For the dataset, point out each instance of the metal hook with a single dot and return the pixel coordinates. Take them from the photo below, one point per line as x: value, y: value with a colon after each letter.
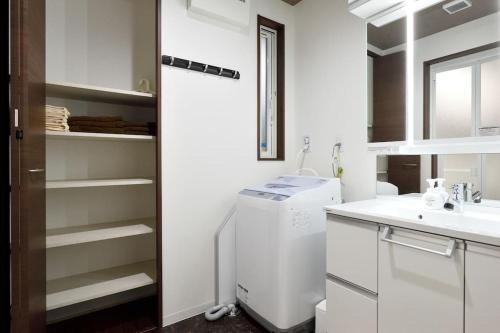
x: 205, y: 69
x: 189, y: 65
x: 220, y: 71
x: 235, y: 74
x: 172, y: 61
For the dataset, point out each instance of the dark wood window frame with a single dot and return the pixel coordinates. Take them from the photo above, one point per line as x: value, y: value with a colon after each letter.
x: 427, y: 90
x: 280, y: 99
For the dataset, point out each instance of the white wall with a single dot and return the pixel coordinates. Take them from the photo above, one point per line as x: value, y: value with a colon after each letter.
x: 209, y: 149
x: 331, y: 92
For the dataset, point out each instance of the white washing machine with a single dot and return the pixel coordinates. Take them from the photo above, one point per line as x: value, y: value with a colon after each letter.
x: 281, y: 249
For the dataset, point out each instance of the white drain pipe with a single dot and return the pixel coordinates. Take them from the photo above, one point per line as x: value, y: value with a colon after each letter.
x: 220, y: 311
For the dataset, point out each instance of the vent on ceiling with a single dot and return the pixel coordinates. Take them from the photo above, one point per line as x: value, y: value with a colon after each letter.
x: 456, y: 6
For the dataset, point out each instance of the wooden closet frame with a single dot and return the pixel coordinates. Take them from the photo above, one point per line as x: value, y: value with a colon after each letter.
x: 27, y: 91
x: 4, y: 173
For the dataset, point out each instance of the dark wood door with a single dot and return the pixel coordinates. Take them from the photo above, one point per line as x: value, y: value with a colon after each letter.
x: 404, y: 172
x: 389, y: 98
x: 27, y: 130
x: 4, y: 172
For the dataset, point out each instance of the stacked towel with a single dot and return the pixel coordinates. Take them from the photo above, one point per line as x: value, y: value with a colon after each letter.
x: 56, y: 118
x: 114, y: 125
x: 97, y: 124
x: 140, y: 128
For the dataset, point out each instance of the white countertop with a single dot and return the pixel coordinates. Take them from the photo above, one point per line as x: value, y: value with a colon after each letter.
x: 478, y: 223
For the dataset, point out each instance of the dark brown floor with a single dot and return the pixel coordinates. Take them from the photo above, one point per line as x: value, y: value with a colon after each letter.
x: 133, y: 317
x: 242, y: 323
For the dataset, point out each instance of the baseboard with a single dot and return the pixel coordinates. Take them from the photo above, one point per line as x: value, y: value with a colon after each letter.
x: 185, y: 314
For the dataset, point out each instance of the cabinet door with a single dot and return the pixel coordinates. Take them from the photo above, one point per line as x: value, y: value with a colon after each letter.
x: 482, y: 285
x: 27, y: 131
x: 419, y: 290
x: 352, y: 251
x: 350, y: 310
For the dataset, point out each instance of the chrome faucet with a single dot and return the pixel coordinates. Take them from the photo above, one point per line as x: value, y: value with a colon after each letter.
x: 470, y: 196
x: 460, y: 194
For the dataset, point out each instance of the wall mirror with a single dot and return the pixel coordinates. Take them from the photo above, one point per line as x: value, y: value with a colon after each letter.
x: 399, y: 174
x: 457, y: 70
x: 386, y: 53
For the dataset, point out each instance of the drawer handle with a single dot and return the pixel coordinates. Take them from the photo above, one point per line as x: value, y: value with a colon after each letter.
x: 452, y: 244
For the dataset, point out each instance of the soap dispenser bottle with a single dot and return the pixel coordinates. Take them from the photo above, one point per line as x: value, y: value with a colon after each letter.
x: 441, y: 190
x: 432, y: 198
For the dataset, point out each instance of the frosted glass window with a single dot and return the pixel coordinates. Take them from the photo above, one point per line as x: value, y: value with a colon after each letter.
x: 490, y: 96
x: 268, y: 93
x: 453, y: 103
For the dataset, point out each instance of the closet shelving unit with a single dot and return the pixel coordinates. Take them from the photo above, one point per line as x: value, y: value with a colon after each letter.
x: 95, y: 284
x: 101, y: 189
x: 98, y: 232
x: 87, y: 92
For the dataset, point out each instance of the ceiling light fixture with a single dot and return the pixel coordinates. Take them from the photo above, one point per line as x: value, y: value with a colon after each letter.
x: 399, y: 11
x: 456, y: 6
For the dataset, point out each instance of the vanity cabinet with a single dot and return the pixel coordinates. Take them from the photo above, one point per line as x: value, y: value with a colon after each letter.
x: 350, y: 309
x: 352, y: 251
x: 391, y: 280
x: 482, y: 288
x: 421, y: 286
x: 351, y: 286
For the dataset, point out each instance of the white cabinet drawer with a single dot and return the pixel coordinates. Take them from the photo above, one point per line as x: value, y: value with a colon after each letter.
x: 349, y: 310
x: 482, y: 283
x: 352, y: 251
x: 421, y: 285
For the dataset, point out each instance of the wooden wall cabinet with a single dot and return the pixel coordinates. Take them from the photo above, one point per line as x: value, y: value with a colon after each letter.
x: 85, y: 207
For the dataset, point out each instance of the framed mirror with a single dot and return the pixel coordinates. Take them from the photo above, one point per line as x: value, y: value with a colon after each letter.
x: 457, y: 70
x: 386, y: 64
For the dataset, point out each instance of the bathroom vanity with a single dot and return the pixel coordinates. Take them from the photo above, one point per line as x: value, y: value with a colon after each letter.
x: 393, y: 266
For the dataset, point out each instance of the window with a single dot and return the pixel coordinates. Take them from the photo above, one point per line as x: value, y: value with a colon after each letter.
x: 270, y: 88
x: 464, y: 96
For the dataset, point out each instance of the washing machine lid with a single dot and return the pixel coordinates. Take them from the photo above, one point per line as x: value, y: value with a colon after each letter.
x: 285, y: 186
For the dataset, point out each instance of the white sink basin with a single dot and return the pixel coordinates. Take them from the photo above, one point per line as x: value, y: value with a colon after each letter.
x: 477, y: 223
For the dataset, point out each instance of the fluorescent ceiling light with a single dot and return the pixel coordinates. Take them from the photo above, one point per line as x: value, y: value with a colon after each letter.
x: 399, y: 11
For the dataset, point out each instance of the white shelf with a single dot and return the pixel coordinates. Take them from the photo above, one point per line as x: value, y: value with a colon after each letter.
x: 99, y: 94
x: 57, y: 184
x: 84, y: 287
x: 96, y: 136
x: 98, y: 232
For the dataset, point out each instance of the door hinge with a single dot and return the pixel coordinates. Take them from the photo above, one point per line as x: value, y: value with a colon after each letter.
x: 19, y: 134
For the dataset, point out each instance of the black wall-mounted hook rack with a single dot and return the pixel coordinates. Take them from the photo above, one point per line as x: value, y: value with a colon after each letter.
x: 200, y: 67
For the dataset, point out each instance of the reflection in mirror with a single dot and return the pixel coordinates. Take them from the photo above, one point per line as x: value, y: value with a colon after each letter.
x: 387, y: 78
x: 457, y: 70
x: 408, y: 174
